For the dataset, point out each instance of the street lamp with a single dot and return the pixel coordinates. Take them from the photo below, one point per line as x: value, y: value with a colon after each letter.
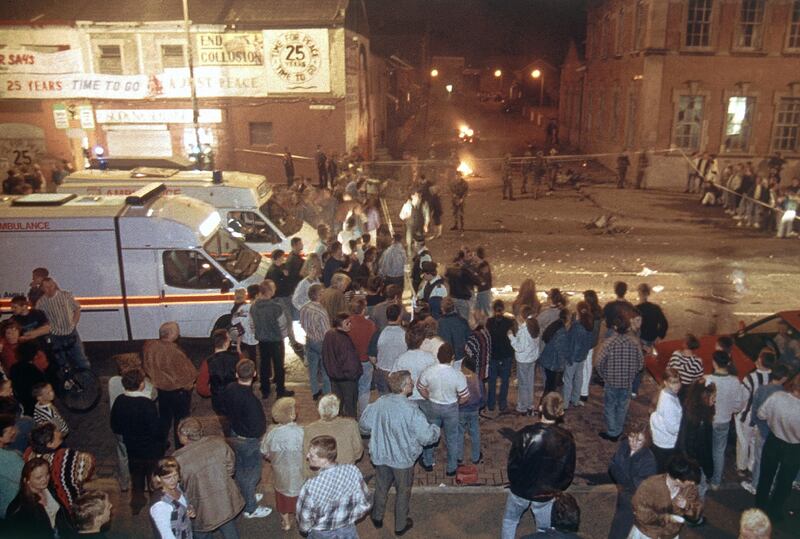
x: 498, y: 73
x: 449, y: 88
x: 539, y: 75
x: 434, y: 72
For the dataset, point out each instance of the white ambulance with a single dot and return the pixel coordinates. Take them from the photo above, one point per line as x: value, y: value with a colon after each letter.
x: 245, y: 201
x: 132, y: 262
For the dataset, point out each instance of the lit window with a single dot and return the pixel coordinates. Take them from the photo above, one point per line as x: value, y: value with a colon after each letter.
x: 738, y: 123
x: 689, y: 122
x: 751, y: 22
x: 172, y: 56
x: 110, y: 59
x: 698, y: 23
x: 786, y: 136
x: 794, y: 28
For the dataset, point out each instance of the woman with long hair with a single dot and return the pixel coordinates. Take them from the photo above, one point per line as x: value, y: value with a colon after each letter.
x: 581, y: 342
x: 695, y: 436
x: 526, y: 296
x: 172, y: 513
x: 36, y: 512
x: 590, y: 297
x: 551, y: 311
x: 525, y: 342
x: 311, y: 273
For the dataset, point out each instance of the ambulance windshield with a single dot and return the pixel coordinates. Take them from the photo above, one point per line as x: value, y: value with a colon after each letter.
x: 237, y: 258
x: 281, y: 218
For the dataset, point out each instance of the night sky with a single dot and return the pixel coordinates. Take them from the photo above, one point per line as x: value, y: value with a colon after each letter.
x: 481, y: 29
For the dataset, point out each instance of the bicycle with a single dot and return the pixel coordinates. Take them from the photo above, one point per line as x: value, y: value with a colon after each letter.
x: 79, y: 389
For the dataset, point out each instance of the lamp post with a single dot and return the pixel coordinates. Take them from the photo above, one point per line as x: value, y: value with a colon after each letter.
x: 539, y: 75
x: 192, y: 85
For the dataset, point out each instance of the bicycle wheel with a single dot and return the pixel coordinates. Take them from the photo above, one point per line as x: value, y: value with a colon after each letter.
x: 83, y: 391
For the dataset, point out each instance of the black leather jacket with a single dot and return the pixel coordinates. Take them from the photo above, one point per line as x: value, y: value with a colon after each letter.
x: 541, y: 463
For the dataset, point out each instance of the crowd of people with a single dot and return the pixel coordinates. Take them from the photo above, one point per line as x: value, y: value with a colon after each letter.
x: 408, y: 378
x: 753, y: 197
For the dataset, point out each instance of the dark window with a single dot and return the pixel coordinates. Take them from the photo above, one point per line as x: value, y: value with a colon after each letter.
x: 751, y: 24
x: 260, y: 133
x: 190, y: 269
x: 698, y: 23
x: 172, y: 56
x: 787, y: 125
x: 794, y: 28
x: 110, y: 59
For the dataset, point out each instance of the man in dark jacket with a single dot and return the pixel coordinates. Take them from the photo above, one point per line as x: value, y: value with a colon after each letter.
x: 453, y: 329
x: 541, y: 465
x: 461, y: 280
x: 271, y: 327
x: 134, y: 416
x: 221, y: 368
x: 248, y: 425
x: 340, y: 358
x: 285, y: 282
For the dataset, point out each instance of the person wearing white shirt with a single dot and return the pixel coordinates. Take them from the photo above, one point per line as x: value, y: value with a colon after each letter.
x: 414, y: 360
x: 311, y: 273
x: 443, y: 389
x: 665, y: 421
x: 731, y: 398
x: 527, y: 346
x: 245, y: 335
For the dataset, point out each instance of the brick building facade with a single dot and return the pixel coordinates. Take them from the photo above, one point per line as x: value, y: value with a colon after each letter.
x: 269, y: 74
x: 721, y: 76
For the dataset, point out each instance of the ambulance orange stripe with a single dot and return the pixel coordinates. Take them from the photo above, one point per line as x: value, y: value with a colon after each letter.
x: 140, y: 301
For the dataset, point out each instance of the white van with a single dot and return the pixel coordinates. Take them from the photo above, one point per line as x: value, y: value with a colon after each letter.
x: 132, y: 262
x: 245, y: 201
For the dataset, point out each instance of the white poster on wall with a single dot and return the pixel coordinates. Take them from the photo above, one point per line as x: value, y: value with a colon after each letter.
x: 210, y: 82
x: 75, y: 85
x: 22, y: 61
x: 297, y: 61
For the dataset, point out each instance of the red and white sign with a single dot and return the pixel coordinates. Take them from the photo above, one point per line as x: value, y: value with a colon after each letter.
x: 75, y: 85
x: 22, y: 61
x: 210, y: 82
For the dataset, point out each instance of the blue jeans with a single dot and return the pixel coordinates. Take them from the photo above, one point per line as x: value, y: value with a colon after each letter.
x: 348, y: 532
x: 525, y: 379
x: 499, y: 367
x: 483, y: 301
x: 516, y: 506
x: 615, y: 408
x: 69, y: 349
x: 364, y: 385
x: 228, y: 531
x: 637, y: 381
x: 248, y: 468
x: 315, y: 369
x: 445, y: 416
x: 718, y: 445
x: 468, y: 422
x: 573, y: 381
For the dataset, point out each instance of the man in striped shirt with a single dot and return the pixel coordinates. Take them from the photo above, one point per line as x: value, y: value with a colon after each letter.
x: 63, y: 312
x: 688, y: 365
x: 315, y: 322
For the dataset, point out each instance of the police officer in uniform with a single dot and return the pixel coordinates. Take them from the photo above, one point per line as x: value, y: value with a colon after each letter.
x: 459, y: 189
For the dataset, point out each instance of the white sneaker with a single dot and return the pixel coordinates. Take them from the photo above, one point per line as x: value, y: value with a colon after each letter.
x: 258, y: 496
x: 748, y: 486
x: 260, y: 512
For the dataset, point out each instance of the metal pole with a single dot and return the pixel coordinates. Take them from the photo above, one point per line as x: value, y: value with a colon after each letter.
x: 190, y: 55
x: 541, y: 88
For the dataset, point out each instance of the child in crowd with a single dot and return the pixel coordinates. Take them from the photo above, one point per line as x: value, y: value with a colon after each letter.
x: 731, y: 399
x: 172, y: 513
x: 665, y: 421
x: 526, y: 351
x: 283, y: 447
x: 44, y: 411
x: 468, y: 412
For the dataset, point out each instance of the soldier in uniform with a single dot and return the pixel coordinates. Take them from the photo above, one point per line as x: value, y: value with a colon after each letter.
x: 508, y: 186
x: 527, y: 169
x: 644, y: 163
x: 459, y: 189
x: 622, y: 169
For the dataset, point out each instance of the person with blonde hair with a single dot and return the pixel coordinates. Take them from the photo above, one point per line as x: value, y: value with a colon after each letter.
x: 755, y: 524
x: 310, y: 273
x: 343, y: 429
x: 283, y: 447
x: 91, y: 512
x: 172, y: 513
x: 526, y: 345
